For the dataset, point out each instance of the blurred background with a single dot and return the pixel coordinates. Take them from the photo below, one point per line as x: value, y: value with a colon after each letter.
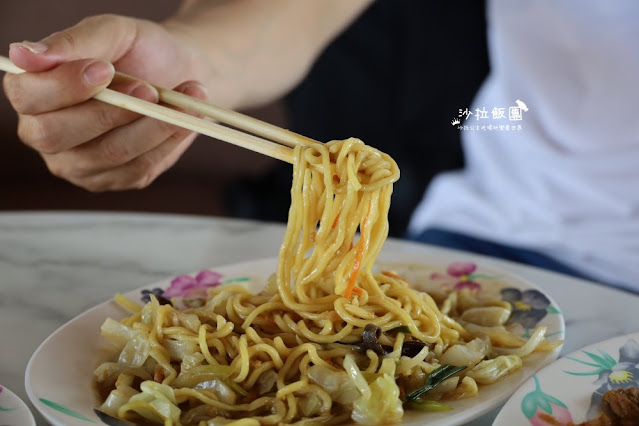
x: 394, y: 79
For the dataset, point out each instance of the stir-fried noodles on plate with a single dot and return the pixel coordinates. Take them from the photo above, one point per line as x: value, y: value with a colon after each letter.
x: 327, y: 340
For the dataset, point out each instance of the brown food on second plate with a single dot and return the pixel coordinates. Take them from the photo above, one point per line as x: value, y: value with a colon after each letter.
x: 621, y: 407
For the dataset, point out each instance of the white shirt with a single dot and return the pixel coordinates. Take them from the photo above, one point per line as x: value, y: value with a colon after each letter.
x: 567, y: 183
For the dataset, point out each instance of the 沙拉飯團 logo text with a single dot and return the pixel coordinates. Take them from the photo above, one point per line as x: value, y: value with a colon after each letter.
x: 498, y: 118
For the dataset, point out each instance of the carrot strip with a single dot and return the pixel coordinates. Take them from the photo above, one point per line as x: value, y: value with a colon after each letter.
x: 391, y: 275
x: 358, y: 291
x: 358, y: 257
x: 356, y: 266
x: 335, y: 221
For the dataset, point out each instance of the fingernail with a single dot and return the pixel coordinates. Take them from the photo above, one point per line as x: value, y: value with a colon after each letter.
x: 145, y: 91
x: 32, y: 47
x: 98, y: 73
x: 196, y: 90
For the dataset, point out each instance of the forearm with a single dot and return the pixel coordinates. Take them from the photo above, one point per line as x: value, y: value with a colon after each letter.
x: 251, y: 52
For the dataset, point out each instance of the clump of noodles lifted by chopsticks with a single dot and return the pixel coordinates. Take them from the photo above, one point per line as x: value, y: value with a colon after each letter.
x: 327, y: 340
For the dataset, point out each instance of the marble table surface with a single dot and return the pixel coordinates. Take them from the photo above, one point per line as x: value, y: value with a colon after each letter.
x: 54, y: 266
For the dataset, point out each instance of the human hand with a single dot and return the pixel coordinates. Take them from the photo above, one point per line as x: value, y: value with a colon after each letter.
x: 91, y: 144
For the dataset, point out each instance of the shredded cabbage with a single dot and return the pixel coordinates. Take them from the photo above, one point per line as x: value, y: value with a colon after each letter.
x: 466, y: 355
x: 467, y: 388
x: 379, y: 402
x: 117, y: 333
x: 336, y: 383
x: 489, y: 316
x: 120, y: 395
x: 135, y: 352
x: 188, y: 378
x: 529, y: 347
x: 492, y: 370
x: 179, y: 349
x: 155, y: 402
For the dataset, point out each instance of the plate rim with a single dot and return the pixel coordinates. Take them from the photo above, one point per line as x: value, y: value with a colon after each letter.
x: 22, y: 408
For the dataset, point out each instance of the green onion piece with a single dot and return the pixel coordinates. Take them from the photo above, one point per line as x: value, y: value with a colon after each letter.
x: 426, y: 405
x: 436, y: 376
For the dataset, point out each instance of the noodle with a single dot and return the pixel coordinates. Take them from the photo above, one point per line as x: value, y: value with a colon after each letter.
x: 296, y: 351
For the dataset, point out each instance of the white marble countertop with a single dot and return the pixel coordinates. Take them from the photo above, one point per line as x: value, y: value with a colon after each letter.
x: 53, y: 266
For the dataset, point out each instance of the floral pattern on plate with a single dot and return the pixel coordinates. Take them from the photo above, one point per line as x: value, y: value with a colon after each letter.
x: 529, y: 306
x: 612, y: 374
x: 570, y: 390
x: 190, y: 290
x: 540, y: 408
x: 460, y: 275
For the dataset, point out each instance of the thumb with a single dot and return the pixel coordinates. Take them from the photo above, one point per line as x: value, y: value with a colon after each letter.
x: 106, y: 37
x: 30, y: 56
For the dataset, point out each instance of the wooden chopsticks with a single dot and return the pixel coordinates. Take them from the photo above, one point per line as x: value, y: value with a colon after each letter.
x: 274, y: 141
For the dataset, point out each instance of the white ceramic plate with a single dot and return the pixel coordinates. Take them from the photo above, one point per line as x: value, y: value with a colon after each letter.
x: 570, y: 389
x: 60, y: 373
x: 13, y: 411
